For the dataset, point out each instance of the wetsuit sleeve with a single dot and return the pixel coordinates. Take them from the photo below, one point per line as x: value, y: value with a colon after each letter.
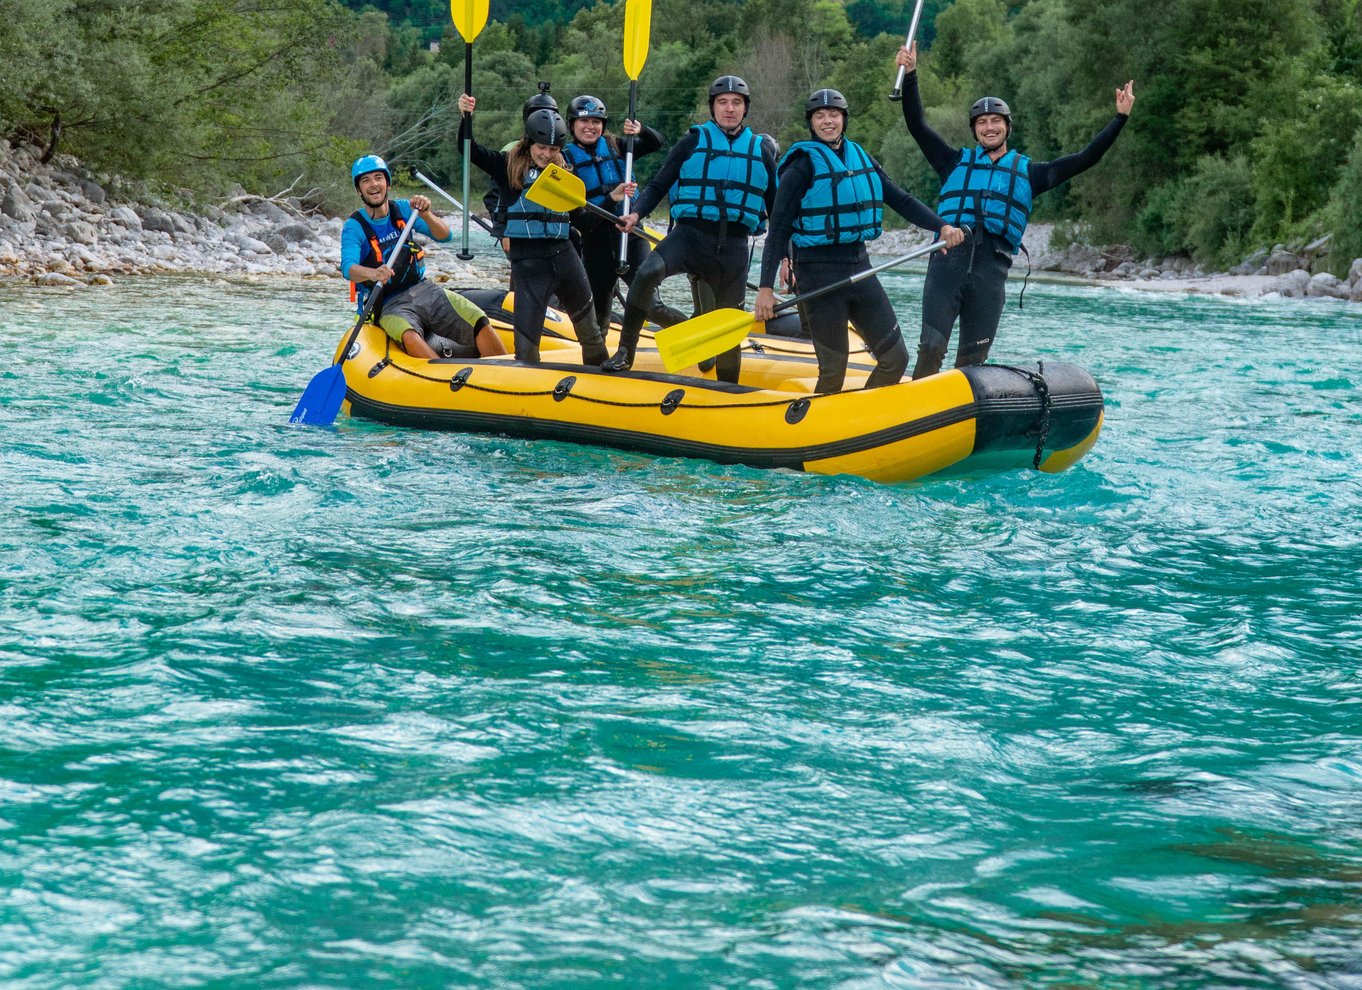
x: 1047, y: 175
x: 352, y: 246
x: 908, y: 206
x: 940, y: 155
x: 490, y: 161
x: 795, y: 180
x: 666, y: 176
x: 768, y: 158
x: 646, y: 142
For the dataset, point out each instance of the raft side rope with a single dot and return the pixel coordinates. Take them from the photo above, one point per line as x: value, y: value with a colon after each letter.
x: 671, y: 406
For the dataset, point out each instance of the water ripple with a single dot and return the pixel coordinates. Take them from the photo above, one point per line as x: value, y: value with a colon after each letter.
x: 302, y: 708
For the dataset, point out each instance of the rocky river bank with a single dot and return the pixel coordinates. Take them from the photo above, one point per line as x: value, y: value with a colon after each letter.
x: 62, y: 225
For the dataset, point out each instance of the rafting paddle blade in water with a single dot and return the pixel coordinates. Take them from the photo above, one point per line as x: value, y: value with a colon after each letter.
x: 322, y: 398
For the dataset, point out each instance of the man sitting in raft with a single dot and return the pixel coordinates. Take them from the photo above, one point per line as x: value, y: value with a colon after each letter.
x: 427, y: 320
x: 999, y: 183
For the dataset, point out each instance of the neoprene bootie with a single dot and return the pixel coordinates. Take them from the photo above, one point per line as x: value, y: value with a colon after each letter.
x: 621, y: 360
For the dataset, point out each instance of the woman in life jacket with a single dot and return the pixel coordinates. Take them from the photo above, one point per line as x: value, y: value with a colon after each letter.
x: 598, y: 158
x: 543, y: 262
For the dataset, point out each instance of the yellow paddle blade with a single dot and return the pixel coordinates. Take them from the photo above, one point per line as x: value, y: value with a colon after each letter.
x: 557, y: 189
x: 470, y: 17
x: 708, y: 335
x: 638, y: 15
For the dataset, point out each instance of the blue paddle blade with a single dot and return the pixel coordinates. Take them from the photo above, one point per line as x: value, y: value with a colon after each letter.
x: 321, y: 399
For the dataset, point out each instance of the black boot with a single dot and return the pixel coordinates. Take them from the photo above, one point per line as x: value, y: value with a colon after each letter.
x: 630, y: 327
x: 931, y: 351
x: 589, y: 336
x: 890, y: 363
x: 621, y: 360
x: 526, y: 350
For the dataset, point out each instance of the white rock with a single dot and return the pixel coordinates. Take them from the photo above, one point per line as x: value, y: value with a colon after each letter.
x: 55, y: 279
x: 16, y: 204
x: 1328, y: 285
x: 1292, y: 284
x: 80, y: 232
x: 126, y: 216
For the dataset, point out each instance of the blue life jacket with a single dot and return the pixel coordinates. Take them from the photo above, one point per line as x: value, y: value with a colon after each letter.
x: 377, y: 246
x: 723, y: 179
x: 845, y: 201
x: 996, y: 194
x: 600, y: 169
x: 527, y: 219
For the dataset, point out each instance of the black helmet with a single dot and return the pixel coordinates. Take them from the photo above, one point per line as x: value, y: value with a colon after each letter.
x: 539, y: 101
x: 586, y: 108
x: 827, y: 98
x: 730, y: 84
x: 990, y: 104
x: 546, y: 127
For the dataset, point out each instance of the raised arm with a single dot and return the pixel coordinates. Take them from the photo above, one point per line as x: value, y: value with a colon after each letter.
x: 940, y: 155
x: 488, y: 160
x: 1047, y: 175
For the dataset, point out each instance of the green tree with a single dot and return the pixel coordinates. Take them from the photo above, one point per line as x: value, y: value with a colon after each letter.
x: 195, y: 92
x: 1343, y: 210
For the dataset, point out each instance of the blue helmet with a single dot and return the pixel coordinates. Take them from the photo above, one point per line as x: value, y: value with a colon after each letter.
x: 369, y: 163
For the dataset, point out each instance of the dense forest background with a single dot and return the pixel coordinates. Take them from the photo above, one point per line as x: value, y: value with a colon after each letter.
x: 1247, y: 127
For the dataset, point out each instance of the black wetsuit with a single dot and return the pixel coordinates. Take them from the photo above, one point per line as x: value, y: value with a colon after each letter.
x: 600, y: 248
x: 714, y: 251
x: 970, y: 282
x: 541, y: 267
x: 863, y: 304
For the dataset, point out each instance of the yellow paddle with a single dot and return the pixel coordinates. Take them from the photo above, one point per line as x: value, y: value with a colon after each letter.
x: 470, y: 17
x: 712, y: 333
x: 637, y: 21
x: 559, y: 190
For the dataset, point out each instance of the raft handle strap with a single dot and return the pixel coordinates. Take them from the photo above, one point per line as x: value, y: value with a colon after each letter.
x: 1047, y: 403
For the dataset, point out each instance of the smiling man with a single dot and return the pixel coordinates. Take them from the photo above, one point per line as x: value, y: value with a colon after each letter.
x: 830, y: 205
x: 990, y: 188
x: 427, y: 320
x: 720, y: 180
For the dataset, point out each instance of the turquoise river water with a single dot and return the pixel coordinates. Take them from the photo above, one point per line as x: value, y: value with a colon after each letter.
x: 372, y: 708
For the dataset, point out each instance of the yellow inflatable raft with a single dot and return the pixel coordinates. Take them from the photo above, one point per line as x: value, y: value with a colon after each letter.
x: 985, y: 418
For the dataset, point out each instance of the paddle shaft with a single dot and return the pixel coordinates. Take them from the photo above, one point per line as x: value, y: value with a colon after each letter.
x: 466, y: 254
x: 897, y: 93
x: 703, y: 337
x: 628, y: 173
x: 457, y: 205
x: 894, y: 263
x: 377, y: 290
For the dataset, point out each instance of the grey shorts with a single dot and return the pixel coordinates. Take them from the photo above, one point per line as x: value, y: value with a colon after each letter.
x: 431, y: 310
